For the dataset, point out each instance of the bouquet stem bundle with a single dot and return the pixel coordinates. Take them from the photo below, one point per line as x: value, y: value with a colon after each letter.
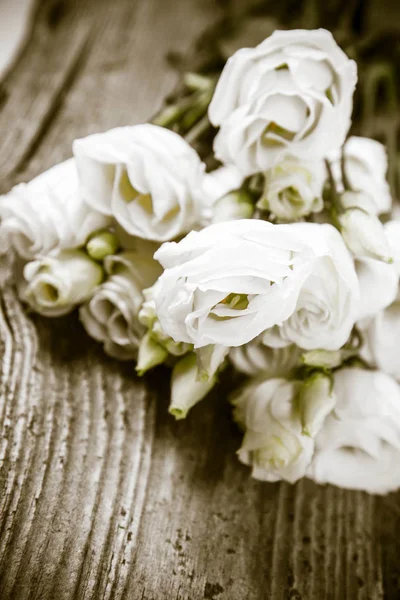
x: 253, y: 226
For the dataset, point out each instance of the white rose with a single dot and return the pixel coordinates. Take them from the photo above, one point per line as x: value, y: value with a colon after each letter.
x: 293, y: 189
x: 274, y: 415
x: 229, y: 282
x: 328, y: 304
x: 292, y: 94
x: 255, y: 358
x: 111, y: 315
x: 55, y: 285
x: 47, y: 214
x: 358, y: 446
x: 365, y: 166
x: 148, y: 178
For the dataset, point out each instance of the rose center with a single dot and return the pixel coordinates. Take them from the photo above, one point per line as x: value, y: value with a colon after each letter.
x: 49, y: 293
x: 130, y: 194
x: 236, y: 301
x: 291, y: 195
x: 276, y: 130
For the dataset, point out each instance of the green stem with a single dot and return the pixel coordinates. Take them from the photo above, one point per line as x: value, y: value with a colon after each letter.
x: 345, y: 179
x: 335, y: 196
x: 172, y: 113
x: 198, y: 129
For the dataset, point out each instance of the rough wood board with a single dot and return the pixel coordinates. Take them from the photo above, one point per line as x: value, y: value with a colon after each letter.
x: 102, y: 494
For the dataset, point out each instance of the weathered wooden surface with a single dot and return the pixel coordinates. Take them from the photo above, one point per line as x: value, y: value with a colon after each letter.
x: 102, y: 494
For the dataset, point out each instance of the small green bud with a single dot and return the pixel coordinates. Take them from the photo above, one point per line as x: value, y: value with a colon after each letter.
x: 102, y: 244
x: 324, y: 359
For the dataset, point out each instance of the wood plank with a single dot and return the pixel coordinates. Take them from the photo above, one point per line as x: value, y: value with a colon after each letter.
x: 16, y: 14
x: 102, y: 494
x: 33, y: 90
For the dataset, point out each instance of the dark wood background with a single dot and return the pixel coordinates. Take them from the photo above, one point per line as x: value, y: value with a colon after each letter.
x: 102, y: 494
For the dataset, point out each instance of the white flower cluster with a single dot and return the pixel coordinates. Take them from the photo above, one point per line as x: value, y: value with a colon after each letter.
x: 278, y: 263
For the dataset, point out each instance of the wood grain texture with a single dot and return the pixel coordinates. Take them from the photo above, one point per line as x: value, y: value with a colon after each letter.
x: 102, y: 494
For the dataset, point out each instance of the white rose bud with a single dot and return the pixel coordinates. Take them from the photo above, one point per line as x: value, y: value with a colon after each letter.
x: 187, y: 389
x: 316, y: 400
x: 381, y: 337
x: 378, y: 283
x: 111, y: 315
x: 47, y: 214
x: 146, y: 177
x: 236, y: 205
x: 358, y: 446
x: 274, y: 443
x: 216, y: 185
x: 350, y: 199
x: 148, y: 317
x: 364, y: 235
x: 381, y: 322
x: 292, y: 94
x: 392, y: 231
x: 209, y: 360
x: 102, y: 244
x: 150, y: 355
x: 293, y: 189
x: 365, y: 166
x: 54, y: 285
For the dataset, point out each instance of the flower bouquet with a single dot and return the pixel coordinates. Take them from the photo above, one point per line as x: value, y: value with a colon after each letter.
x: 275, y: 253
